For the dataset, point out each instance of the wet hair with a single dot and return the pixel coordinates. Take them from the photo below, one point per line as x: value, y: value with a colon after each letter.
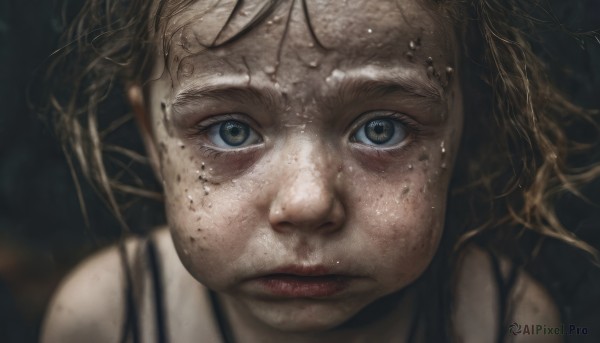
x: 520, y: 148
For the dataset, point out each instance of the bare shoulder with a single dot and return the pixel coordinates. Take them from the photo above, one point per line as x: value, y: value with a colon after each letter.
x: 88, y: 303
x: 476, y: 312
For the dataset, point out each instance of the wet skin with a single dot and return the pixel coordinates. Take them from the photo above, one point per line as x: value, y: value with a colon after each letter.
x: 311, y: 183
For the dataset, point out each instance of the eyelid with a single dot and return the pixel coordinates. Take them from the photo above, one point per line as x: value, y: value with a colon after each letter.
x: 205, y: 124
x: 199, y: 132
x: 412, y: 126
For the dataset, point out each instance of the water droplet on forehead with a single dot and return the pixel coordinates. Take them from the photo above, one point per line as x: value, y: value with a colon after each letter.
x: 313, y: 64
x: 269, y: 70
x: 336, y: 75
x: 370, y: 30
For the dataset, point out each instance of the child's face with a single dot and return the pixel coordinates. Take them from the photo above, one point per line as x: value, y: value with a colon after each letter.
x: 281, y: 157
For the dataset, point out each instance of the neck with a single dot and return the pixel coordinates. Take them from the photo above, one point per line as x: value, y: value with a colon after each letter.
x: 387, y: 319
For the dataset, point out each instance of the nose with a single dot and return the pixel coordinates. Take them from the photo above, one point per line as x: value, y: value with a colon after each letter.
x: 306, y: 199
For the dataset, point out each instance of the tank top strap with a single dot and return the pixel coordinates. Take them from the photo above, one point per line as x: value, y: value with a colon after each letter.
x: 220, y: 318
x: 147, y: 256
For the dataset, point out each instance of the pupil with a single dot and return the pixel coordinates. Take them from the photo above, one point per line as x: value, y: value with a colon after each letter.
x: 379, y: 131
x: 234, y: 132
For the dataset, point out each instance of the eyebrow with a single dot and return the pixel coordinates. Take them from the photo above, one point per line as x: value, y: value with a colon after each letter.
x: 365, y: 87
x: 351, y: 88
x: 226, y: 92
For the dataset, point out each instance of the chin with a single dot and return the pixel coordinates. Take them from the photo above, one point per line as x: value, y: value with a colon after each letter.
x: 304, y: 317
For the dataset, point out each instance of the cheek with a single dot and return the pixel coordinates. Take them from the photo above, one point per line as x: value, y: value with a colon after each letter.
x: 204, y: 228
x: 402, y: 221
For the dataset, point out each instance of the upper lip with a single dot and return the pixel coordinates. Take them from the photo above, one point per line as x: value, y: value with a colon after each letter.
x: 300, y: 270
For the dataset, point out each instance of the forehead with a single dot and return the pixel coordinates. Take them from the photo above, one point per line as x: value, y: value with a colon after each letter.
x: 223, y: 34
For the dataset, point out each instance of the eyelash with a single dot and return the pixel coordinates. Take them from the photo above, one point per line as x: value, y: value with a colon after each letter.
x: 414, y: 130
x: 414, y: 133
x: 201, y: 129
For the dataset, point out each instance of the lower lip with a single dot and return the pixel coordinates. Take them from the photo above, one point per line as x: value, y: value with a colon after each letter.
x: 291, y: 286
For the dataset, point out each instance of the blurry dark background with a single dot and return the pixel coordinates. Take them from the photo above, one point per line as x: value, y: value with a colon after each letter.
x: 42, y: 230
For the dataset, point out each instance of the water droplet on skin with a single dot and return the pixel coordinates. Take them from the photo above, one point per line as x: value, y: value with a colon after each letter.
x: 410, y: 56
x: 311, y: 45
x: 335, y: 75
x: 337, y: 262
x: 313, y: 64
x: 269, y: 70
x: 449, y: 71
x: 429, y: 60
x: 270, y: 22
x: 430, y: 72
x: 369, y: 30
x: 443, y: 165
x: 412, y: 45
x: 410, y: 166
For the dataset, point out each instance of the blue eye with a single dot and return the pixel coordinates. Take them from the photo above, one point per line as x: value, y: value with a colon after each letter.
x: 382, y: 132
x: 232, y: 134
